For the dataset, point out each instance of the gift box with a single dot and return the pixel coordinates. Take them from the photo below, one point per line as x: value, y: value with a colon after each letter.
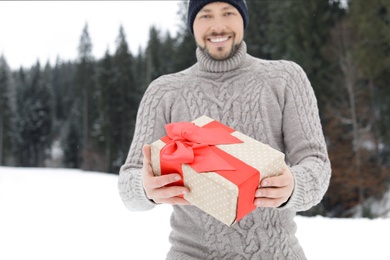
x: 221, y: 167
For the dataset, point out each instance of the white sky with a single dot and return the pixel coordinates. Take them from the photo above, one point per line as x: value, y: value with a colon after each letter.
x: 32, y: 30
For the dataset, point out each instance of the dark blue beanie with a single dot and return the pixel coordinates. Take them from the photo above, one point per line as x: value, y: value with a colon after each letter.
x: 195, y: 6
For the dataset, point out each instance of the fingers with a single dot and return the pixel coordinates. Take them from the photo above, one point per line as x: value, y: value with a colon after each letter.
x: 271, y: 193
x: 161, y: 194
x: 274, y: 191
x: 277, y: 181
x: 161, y: 181
x: 156, y: 189
x: 156, y: 186
x: 269, y: 198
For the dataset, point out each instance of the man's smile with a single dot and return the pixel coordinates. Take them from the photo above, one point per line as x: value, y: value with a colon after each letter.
x: 219, y: 39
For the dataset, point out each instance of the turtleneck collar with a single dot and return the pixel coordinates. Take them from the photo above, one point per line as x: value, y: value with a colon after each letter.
x: 210, y: 65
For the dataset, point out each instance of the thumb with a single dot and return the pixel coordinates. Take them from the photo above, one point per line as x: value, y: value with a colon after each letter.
x: 146, y: 149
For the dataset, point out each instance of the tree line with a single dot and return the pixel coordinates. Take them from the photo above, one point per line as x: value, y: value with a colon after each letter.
x: 85, y: 109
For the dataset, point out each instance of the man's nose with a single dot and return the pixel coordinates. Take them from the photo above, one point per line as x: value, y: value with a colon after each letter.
x: 218, y: 26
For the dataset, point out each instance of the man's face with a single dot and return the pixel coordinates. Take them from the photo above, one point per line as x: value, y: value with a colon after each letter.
x: 219, y: 30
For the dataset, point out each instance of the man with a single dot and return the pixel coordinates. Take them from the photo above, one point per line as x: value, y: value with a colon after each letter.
x: 270, y: 101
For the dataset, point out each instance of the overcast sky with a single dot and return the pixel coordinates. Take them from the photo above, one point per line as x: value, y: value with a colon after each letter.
x: 32, y: 30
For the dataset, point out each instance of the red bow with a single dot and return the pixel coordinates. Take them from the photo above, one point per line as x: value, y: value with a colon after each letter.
x: 190, y: 144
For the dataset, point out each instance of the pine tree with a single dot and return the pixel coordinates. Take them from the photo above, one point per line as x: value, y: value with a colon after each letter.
x: 372, y: 53
x: 72, y: 140
x: 153, y: 58
x: 109, y: 99
x: 5, y: 112
x: 64, y: 91
x: 65, y: 109
x: 185, y: 51
x: 126, y: 97
x: 140, y: 80
x: 168, y: 54
x: 257, y: 33
x: 33, y: 117
x: 86, y: 87
x: 186, y: 45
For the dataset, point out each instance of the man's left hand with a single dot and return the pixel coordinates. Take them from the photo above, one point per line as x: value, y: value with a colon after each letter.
x: 274, y: 191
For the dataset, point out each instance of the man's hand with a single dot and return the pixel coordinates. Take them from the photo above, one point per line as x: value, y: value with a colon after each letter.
x: 154, y: 186
x: 274, y: 191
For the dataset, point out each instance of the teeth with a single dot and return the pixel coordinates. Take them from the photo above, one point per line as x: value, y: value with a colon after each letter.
x: 219, y: 39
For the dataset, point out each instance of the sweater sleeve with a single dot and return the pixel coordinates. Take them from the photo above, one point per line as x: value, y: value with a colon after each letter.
x: 149, y: 127
x: 306, y: 150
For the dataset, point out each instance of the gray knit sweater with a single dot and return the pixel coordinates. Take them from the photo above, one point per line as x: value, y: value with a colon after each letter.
x: 270, y: 101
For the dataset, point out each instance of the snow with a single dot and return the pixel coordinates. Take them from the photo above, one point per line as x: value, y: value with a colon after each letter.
x: 70, y: 214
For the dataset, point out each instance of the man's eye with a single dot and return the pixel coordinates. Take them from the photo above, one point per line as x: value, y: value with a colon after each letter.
x: 205, y: 16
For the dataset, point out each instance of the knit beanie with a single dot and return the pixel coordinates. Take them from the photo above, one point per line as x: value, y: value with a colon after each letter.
x: 195, y: 6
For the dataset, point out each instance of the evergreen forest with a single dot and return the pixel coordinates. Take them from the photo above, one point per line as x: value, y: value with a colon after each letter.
x: 85, y: 109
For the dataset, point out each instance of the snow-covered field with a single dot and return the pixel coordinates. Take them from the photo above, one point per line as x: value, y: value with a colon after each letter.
x: 59, y: 214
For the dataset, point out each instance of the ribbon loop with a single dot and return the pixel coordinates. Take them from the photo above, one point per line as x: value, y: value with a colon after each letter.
x: 190, y: 144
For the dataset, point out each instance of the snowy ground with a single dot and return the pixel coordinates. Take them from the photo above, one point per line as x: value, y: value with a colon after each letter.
x: 59, y: 214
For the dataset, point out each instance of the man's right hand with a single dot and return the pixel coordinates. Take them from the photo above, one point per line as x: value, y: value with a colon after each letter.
x: 155, y: 186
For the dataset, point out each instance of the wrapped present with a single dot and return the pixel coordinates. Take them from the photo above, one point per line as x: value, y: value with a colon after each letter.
x: 221, y: 167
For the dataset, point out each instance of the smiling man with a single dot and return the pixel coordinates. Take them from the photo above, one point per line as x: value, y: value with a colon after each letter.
x: 218, y: 29
x: 270, y: 101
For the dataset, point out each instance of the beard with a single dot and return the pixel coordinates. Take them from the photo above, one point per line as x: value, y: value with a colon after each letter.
x: 220, y: 54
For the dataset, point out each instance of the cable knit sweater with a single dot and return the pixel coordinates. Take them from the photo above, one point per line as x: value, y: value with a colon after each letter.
x: 270, y: 101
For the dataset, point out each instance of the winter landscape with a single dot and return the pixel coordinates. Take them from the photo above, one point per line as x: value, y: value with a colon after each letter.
x: 67, y: 214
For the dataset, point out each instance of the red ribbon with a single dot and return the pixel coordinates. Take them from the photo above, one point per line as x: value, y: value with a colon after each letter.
x: 190, y: 144
x: 195, y: 146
